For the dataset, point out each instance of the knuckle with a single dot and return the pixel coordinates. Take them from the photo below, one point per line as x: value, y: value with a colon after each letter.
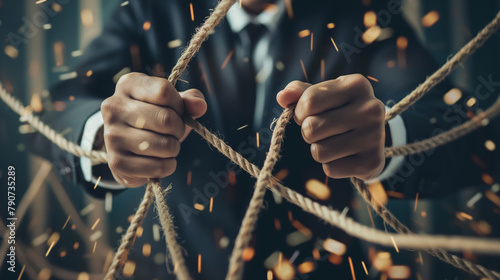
x: 166, y: 168
x: 329, y: 170
x: 169, y: 146
x: 111, y: 135
x: 124, y: 79
x: 318, y: 153
x: 361, y: 84
x: 164, y: 87
x: 110, y: 108
x: 309, y: 100
x: 375, y: 109
x: 164, y: 117
x: 116, y: 162
x: 309, y: 129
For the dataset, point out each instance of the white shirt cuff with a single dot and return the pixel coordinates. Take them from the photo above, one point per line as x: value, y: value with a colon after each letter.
x: 92, y: 126
x: 398, y: 137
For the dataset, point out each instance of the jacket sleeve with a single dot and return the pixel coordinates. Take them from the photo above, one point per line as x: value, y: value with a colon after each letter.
x: 104, y: 58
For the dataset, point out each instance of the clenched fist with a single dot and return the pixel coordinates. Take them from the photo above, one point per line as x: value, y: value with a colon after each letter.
x: 143, y: 128
x: 343, y: 122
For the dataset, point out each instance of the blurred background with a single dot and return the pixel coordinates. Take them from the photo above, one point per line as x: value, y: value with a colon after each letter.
x: 60, y: 30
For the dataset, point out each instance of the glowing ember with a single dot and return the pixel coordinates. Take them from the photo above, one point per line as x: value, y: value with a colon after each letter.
x: 364, y: 267
x: 306, y: 267
x: 59, y: 53
x: 83, y: 276
x: 399, y: 272
x: 304, y: 70
x: 224, y: 64
x: 452, y: 96
x: 335, y: 45
x: 430, y: 19
x: 284, y: 270
x: 97, y: 182
x: 199, y: 263
x: 146, y: 25
x: 191, y: 10
x: 335, y: 247
x: 95, y: 224
x: 146, y: 250
x: 248, y: 254
x: 129, y: 269
x: 378, y: 192
x: 352, y: 269
x: 471, y: 102
x: 402, y: 43
x: 371, y: 34
x: 382, y: 261
x: 317, y: 189
x: 11, y: 52
x: 492, y: 197
x: 174, y: 43
x: 463, y: 216
x: 304, y: 33
x: 36, y: 103
x: 370, y: 19
x: 199, y: 207
x: 490, y: 145
x: 395, y: 245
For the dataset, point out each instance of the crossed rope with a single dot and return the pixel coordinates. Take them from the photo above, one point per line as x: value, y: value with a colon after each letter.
x: 433, y: 244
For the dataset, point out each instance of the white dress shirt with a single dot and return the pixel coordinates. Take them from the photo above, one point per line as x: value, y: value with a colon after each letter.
x: 238, y: 19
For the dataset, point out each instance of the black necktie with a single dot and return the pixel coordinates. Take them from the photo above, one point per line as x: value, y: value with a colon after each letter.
x: 250, y: 36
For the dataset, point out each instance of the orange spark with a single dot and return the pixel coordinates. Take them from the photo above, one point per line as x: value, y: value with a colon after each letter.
x: 352, y: 269
x: 97, y: 182
x: 224, y: 64
x: 335, y: 45
x: 304, y: 70
x: 192, y: 12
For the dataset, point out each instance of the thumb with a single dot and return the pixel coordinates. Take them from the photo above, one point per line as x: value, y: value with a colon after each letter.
x: 291, y: 93
x: 194, y: 102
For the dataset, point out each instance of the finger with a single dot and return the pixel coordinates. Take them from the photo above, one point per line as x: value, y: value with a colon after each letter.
x: 291, y: 93
x: 194, y: 103
x: 147, y: 143
x: 155, y: 118
x: 130, y: 182
x: 133, y: 166
x: 344, y: 145
x: 153, y: 90
x: 331, y: 94
x: 363, y: 166
x: 341, y: 120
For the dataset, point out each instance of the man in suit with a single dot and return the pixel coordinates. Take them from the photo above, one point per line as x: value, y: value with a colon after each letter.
x: 256, y: 63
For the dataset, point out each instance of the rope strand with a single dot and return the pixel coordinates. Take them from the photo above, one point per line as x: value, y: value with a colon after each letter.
x: 265, y: 179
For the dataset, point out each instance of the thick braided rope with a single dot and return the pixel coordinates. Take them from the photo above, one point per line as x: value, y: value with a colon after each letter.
x: 129, y: 237
x: 476, y: 122
x: 167, y: 224
x: 446, y: 69
x: 252, y: 214
x: 56, y: 138
x: 390, y: 219
x: 224, y: 143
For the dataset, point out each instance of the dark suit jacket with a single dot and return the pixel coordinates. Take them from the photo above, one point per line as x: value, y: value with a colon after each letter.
x: 432, y: 174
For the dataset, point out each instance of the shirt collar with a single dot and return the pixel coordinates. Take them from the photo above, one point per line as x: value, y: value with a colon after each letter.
x: 238, y: 18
